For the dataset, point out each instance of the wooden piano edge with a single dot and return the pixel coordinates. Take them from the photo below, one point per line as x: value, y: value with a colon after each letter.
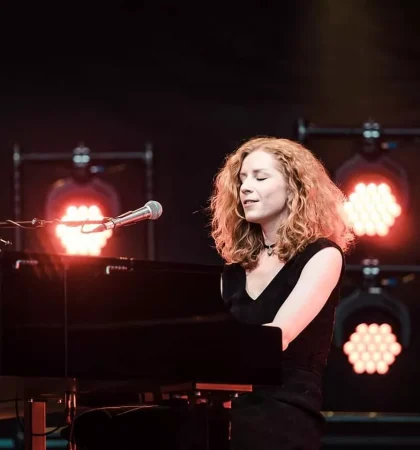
x: 206, y: 387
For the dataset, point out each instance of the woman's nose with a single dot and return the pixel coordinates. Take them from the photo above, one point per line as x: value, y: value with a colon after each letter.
x: 246, y: 187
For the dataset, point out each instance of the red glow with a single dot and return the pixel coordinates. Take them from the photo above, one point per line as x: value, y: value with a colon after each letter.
x: 372, y: 348
x: 73, y: 240
x: 372, y: 209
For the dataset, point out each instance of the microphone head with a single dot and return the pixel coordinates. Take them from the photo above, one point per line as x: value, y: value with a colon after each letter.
x: 155, y: 209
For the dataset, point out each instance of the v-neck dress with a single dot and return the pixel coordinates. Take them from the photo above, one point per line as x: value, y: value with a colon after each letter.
x: 285, y: 416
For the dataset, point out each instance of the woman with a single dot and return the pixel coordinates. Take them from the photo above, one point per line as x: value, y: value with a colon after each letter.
x: 278, y: 222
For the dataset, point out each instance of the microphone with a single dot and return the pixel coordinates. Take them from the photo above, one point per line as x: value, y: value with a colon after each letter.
x: 151, y: 210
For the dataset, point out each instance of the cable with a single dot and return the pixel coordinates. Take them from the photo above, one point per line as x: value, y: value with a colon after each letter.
x: 19, y: 225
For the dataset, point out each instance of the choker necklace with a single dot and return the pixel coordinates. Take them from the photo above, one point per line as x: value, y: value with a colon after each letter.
x: 270, y: 249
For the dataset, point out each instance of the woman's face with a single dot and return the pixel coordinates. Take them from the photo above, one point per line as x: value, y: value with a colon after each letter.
x: 263, y: 190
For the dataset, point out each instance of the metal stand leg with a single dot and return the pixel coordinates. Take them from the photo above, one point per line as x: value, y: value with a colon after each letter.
x: 34, y: 417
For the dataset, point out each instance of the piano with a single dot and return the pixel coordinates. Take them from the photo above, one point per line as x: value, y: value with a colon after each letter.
x: 72, y: 326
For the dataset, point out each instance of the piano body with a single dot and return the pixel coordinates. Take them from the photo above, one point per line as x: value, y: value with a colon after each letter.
x: 71, y: 325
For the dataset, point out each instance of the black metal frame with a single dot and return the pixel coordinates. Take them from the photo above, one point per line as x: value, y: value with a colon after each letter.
x: 19, y: 158
x: 369, y: 130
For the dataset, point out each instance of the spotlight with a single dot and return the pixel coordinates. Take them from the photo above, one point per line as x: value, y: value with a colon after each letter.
x: 377, y: 192
x: 372, y: 327
x: 82, y: 196
x: 372, y: 348
x: 377, y: 187
x: 77, y: 243
x: 84, y: 189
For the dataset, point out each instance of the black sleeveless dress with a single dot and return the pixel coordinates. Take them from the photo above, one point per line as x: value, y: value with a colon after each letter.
x: 286, y: 416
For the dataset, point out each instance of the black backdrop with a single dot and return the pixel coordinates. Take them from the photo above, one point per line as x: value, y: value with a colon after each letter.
x: 198, y: 81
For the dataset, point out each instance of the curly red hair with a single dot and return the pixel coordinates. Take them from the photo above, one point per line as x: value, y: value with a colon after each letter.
x: 315, y: 205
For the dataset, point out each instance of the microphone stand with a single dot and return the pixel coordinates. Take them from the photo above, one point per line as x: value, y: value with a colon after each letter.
x: 70, y: 409
x: 40, y: 223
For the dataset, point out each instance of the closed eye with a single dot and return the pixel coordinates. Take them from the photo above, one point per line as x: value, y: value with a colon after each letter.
x: 241, y: 182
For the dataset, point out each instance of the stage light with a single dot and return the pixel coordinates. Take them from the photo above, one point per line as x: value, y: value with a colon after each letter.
x: 372, y: 328
x: 377, y: 190
x: 377, y: 186
x: 372, y: 209
x: 77, y: 243
x: 82, y: 196
x: 372, y: 348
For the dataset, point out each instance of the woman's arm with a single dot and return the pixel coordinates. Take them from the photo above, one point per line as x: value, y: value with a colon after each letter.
x: 317, y: 280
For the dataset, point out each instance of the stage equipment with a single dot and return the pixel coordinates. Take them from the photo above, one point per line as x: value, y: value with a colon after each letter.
x: 376, y: 186
x: 81, y: 195
x: 372, y: 327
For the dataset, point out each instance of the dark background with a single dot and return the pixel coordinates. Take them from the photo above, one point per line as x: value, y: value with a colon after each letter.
x: 196, y: 81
